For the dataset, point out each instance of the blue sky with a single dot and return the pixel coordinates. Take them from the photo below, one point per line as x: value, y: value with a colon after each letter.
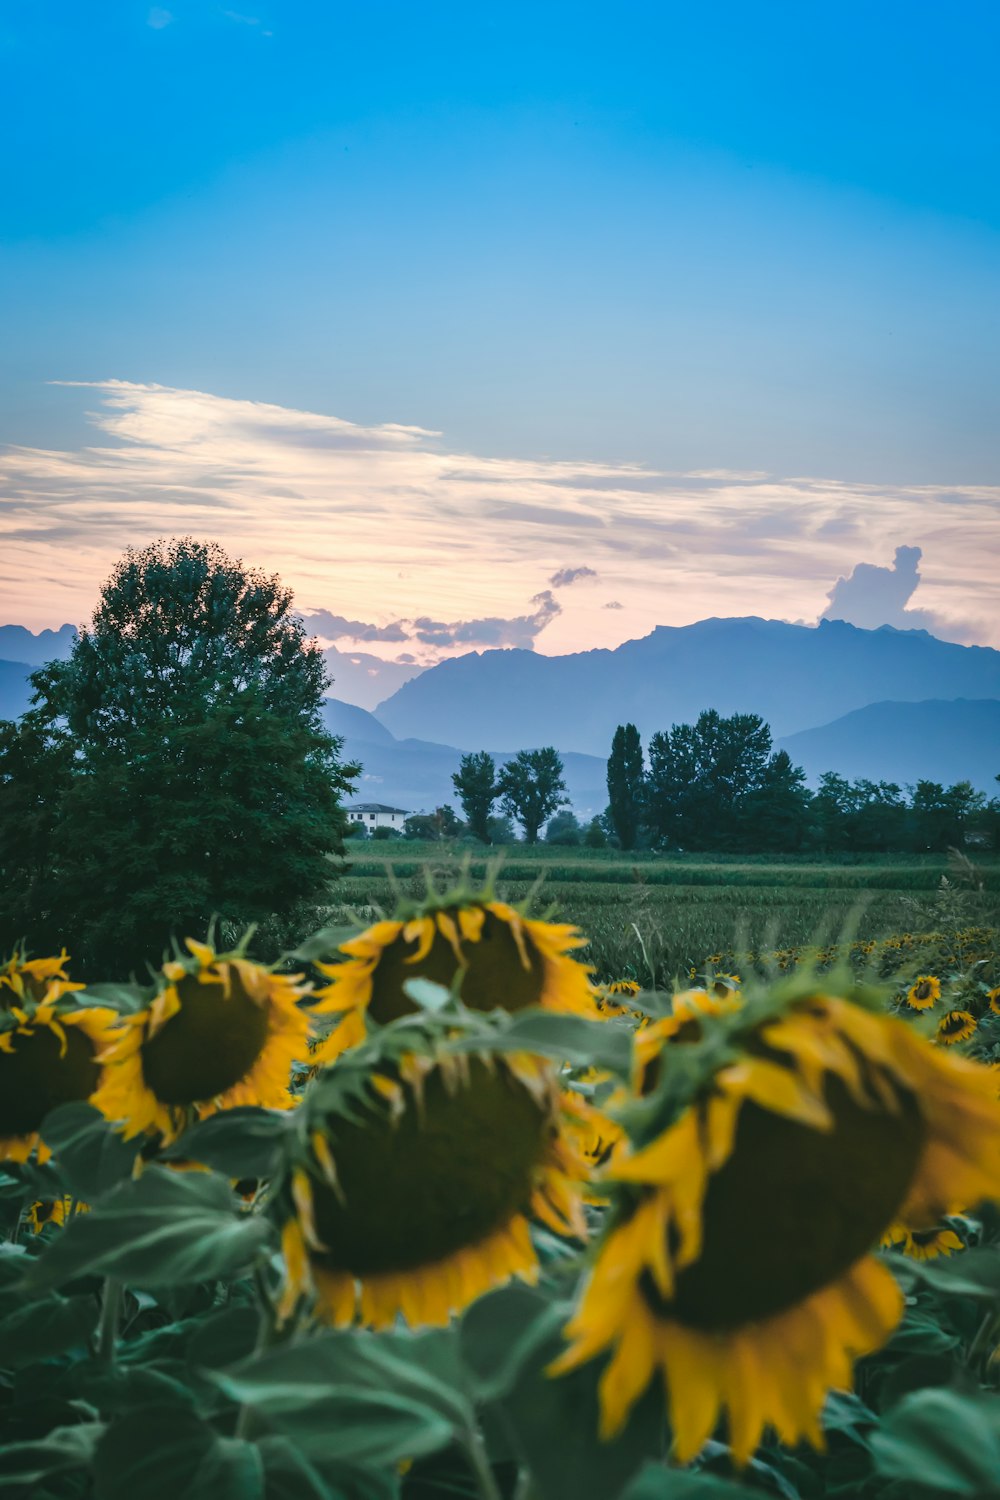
x: 751, y: 237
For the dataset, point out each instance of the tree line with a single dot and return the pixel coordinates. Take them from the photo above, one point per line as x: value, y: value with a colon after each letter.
x: 717, y: 785
x: 529, y: 789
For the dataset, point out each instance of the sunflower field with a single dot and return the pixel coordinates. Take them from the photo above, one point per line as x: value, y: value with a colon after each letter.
x: 422, y: 1211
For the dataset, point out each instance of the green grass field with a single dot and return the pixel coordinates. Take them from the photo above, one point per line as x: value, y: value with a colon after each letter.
x: 670, y: 913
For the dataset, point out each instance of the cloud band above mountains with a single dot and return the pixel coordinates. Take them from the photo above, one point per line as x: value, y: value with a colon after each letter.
x: 394, y: 540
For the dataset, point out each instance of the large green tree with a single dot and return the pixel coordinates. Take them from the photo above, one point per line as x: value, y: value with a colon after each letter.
x: 475, y: 781
x: 715, y: 783
x: 531, y: 788
x: 777, y: 812
x: 626, y: 785
x: 179, y: 764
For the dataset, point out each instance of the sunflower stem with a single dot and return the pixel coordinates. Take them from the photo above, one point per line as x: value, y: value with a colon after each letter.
x: 267, y: 1334
x: 111, y: 1309
x: 983, y: 1345
x: 475, y: 1452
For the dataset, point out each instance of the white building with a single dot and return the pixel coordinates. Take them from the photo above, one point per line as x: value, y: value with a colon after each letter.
x: 377, y: 815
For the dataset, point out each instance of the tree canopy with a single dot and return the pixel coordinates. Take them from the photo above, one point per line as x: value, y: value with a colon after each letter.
x: 626, y: 785
x: 475, y: 781
x: 178, y: 762
x: 531, y: 788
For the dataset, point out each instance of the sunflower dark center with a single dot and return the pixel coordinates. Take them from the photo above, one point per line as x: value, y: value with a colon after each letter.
x: 210, y: 1044
x: 495, y: 977
x: 923, y: 990
x: 34, y: 1078
x: 793, y: 1208
x: 450, y: 1171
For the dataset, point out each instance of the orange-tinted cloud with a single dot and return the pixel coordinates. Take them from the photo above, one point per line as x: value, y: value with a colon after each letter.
x: 384, y: 524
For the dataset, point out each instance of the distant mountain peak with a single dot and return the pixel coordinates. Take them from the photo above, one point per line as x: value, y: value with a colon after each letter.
x: 796, y: 676
x: 18, y: 643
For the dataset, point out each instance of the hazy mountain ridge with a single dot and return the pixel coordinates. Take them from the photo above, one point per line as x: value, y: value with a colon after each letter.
x: 416, y: 774
x: 938, y: 720
x: 903, y: 742
x: 936, y: 740
x: 21, y: 645
x: 797, y: 677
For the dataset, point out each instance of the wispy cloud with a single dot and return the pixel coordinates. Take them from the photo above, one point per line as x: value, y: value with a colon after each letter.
x: 158, y: 18
x: 386, y: 529
x: 492, y: 630
x: 565, y: 576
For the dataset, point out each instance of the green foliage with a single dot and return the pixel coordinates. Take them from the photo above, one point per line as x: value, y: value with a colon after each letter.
x: 142, y: 1353
x: 502, y: 830
x: 564, y: 829
x: 173, y: 770
x: 686, y: 909
x: 594, y: 836
x: 442, y: 823
x: 626, y: 785
x: 715, y: 784
x: 531, y: 787
x: 165, y: 1229
x: 475, y: 781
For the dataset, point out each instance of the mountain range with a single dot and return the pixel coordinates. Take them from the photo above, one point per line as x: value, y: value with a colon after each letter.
x: 883, y: 704
x: 796, y: 676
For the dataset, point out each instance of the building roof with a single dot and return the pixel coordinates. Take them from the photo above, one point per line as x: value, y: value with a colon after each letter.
x: 375, y: 807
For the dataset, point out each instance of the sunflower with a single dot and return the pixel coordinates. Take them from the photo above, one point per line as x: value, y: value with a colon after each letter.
x: 612, y: 999
x: 736, y: 1261
x: 922, y: 1244
x: 48, y: 1056
x: 53, y: 1211
x: 956, y: 1026
x: 723, y: 985
x: 221, y: 1031
x: 683, y: 1024
x: 993, y: 996
x: 505, y: 960
x: 412, y: 1198
x: 23, y: 980
x: 596, y: 1135
x: 924, y: 992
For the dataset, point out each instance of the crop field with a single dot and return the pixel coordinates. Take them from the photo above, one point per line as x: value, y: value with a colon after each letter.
x: 660, y: 916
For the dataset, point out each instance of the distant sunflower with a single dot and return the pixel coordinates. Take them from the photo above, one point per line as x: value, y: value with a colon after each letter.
x: 415, y: 1201
x: 724, y: 984
x: 507, y: 961
x: 629, y: 987
x: 736, y: 1261
x: 48, y: 1056
x: 23, y: 980
x: 222, y: 1031
x: 922, y: 1244
x: 956, y: 1026
x: 53, y: 1211
x: 612, y: 999
x: 924, y: 992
